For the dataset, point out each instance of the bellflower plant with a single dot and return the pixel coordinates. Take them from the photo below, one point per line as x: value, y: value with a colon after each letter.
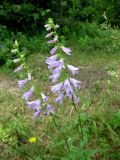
x: 40, y: 106
x: 64, y: 84
x: 58, y: 66
x: 60, y: 69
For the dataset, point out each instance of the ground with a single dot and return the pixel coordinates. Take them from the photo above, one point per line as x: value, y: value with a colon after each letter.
x: 99, y: 100
x: 9, y: 84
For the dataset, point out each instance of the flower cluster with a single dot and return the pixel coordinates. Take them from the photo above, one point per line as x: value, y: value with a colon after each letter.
x: 40, y: 106
x: 57, y: 66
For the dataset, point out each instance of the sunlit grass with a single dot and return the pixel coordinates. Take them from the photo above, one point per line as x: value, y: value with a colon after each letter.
x: 99, y: 102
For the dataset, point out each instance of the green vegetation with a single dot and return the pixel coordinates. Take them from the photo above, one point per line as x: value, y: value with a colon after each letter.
x: 86, y: 37
x: 99, y: 111
x: 91, y: 29
x: 30, y: 15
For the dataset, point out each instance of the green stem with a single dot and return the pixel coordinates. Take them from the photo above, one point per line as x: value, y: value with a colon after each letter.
x: 67, y: 145
x: 80, y: 130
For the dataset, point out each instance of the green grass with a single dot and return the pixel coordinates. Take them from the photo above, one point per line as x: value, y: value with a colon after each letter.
x: 99, y: 108
x: 98, y: 57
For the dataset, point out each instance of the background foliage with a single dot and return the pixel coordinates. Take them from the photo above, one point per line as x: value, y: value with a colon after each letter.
x: 30, y: 15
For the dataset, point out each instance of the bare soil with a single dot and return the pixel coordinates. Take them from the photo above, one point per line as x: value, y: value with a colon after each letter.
x: 8, y: 84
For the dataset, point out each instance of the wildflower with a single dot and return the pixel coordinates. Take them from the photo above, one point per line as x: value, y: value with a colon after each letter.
x: 51, y: 59
x: 53, y: 64
x: 57, y: 70
x: 61, y: 63
x: 37, y: 113
x: 53, y: 50
x: 19, y: 68
x: 44, y: 97
x: 21, y: 83
x: 34, y: 104
x: 53, y: 40
x: 57, y: 88
x: 75, y: 83
x: 59, y: 99
x: 68, y: 88
x: 16, y: 60
x: 54, y: 77
x: 73, y: 69
x: 29, y: 77
x: 16, y: 43
x: 32, y: 140
x: 28, y: 94
x: 49, y: 35
x: 14, y: 50
x: 66, y: 50
x: 57, y: 26
x: 75, y: 99
x: 49, y: 109
x: 48, y: 27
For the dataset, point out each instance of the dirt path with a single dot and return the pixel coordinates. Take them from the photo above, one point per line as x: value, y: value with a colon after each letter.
x: 87, y: 74
x: 8, y: 84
